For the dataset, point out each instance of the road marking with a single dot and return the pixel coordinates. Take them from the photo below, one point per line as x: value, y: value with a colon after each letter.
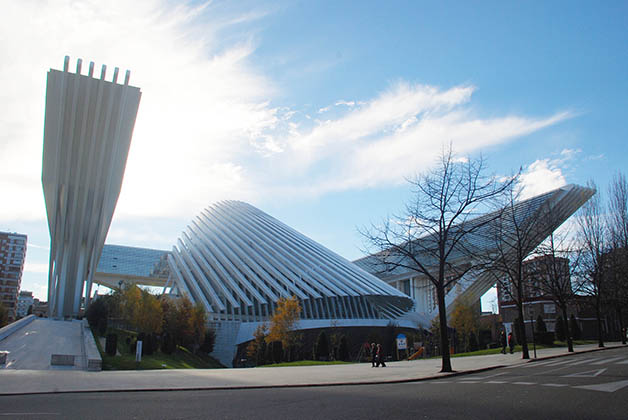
x: 604, y: 361
x: 562, y: 362
x: 472, y: 378
x: 623, y: 362
x: 607, y: 387
x: 30, y: 414
x: 581, y: 362
x: 555, y: 385
x: 496, y: 382
x: 587, y: 374
x: 532, y: 364
x: 468, y: 382
x: 524, y: 383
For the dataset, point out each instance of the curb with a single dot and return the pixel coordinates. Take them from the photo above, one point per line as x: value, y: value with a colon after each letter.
x: 245, y: 387
x: 556, y: 356
x: 311, y: 385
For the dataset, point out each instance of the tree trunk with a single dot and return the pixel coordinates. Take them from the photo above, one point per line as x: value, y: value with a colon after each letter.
x: 621, y: 325
x: 566, y: 327
x: 522, y: 327
x: 444, y: 337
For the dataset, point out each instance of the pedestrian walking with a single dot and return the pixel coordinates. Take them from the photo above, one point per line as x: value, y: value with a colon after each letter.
x: 380, y: 356
x: 373, y: 354
x: 502, y: 341
x: 511, y: 342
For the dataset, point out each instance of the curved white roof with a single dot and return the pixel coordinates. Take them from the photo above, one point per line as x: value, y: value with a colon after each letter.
x: 238, y: 261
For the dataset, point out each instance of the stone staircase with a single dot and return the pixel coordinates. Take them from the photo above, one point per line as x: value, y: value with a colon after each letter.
x: 225, y: 345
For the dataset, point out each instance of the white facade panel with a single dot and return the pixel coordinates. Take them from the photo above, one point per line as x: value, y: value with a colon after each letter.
x: 87, y: 133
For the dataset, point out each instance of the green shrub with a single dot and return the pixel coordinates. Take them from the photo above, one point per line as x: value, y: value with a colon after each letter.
x: 111, y: 344
x: 540, y: 326
x: 207, y: 346
x: 560, y: 329
x: 96, y: 315
x: 343, y: 349
x: 321, y: 349
x: 546, y: 338
x: 574, y: 328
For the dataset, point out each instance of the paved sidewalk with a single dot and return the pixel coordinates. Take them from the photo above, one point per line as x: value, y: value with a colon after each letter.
x: 47, y: 381
x: 31, y: 346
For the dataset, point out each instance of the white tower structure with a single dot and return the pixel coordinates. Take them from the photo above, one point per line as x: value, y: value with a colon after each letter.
x: 87, y: 133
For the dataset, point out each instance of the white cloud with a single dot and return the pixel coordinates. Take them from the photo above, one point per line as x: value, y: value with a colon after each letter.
x: 207, y: 128
x: 541, y: 176
x: 391, y: 136
x: 35, y: 267
x: 546, y: 174
x: 201, y: 101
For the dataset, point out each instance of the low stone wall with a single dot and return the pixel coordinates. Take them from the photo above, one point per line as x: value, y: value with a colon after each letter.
x: 13, y: 327
x: 62, y: 360
x: 92, y: 355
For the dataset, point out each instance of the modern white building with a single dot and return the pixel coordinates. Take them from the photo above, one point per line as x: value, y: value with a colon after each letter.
x: 560, y: 203
x: 87, y: 133
x: 238, y: 261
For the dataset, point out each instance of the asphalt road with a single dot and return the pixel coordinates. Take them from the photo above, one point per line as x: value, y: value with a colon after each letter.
x: 584, y: 386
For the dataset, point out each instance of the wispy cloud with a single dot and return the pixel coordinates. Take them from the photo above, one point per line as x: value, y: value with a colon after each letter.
x: 208, y: 128
x: 393, y: 135
x: 201, y: 98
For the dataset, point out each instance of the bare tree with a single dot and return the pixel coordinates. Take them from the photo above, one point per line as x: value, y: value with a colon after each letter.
x: 617, y: 259
x: 552, y: 278
x: 592, y: 237
x: 514, y: 236
x: 430, y: 237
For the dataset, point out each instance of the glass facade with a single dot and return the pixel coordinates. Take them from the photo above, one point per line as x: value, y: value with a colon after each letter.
x: 131, y: 261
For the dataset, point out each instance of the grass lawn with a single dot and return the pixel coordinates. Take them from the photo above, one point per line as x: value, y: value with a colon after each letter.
x: 181, y: 359
x: 306, y: 363
x: 518, y: 348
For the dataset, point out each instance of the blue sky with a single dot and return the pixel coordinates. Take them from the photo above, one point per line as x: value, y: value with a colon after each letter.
x: 315, y: 111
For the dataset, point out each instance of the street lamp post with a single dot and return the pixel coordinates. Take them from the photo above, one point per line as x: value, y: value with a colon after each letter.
x: 531, y: 311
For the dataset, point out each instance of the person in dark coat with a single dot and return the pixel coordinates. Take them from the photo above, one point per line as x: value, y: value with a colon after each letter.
x: 511, y: 342
x: 373, y: 354
x: 502, y: 341
x: 380, y: 356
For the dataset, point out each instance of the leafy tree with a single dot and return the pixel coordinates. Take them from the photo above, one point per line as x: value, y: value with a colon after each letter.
x: 343, y: 349
x: 199, y: 321
x: 208, y: 341
x: 283, y: 323
x: 274, y: 352
x: 473, y: 342
x: 560, y: 328
x: 429, y: 237
x: 97, y: 314
x: 257, y: 348
x: 4, y: 315
x: 148, y: 315
x: 183, y: 322
x: 574, y: 328
x: 466, y: 322
x: 130, y: 301
x: 321, y: 348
